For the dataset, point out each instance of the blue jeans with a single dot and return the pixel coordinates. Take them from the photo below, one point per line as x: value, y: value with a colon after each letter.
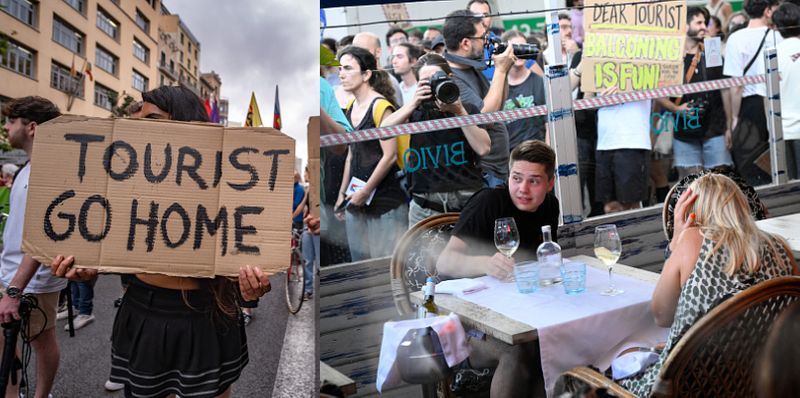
x: 82, y: 296
x: 311, y: 256
x: 372, y: 237
x: 707, y: 154
x: 491, y: 181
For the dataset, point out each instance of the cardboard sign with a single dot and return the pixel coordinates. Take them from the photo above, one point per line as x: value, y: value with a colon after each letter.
x: 182, y: 199
x: 633, y: 46
x: 313, y: 164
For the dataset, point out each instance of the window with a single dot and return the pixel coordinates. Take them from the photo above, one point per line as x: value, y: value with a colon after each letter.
x: 172, y: 66
x: 60, y: 79
x: 18, y: 59
x: 107, y: 24
x: 163, y: 59
x: 181, y: 38
x: 142, y: 21
x: 181, y: 56
x: 190, y: 64
x: 152, y: 3
x: 67, y: 36
x: 24, y: 10
x: 140, y: 51
x: 103, y: 96
x: 106, y: 61
x: 78, y: 5
x: 139, y: 81
x: 162, y: 80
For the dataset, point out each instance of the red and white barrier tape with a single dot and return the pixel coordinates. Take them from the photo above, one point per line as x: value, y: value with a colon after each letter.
x: 514, y: 114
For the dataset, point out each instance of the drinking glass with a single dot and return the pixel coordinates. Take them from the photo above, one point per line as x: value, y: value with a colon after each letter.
x: 506, y: 238
x: 607, y: 248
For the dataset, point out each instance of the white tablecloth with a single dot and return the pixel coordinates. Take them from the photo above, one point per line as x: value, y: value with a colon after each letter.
x: 582, y: 329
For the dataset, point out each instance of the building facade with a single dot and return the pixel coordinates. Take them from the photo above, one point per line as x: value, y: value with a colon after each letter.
x: 80, y: 54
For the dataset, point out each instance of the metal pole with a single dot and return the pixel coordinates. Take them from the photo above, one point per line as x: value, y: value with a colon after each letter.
x: 777, y: 145
x: 561, y: 125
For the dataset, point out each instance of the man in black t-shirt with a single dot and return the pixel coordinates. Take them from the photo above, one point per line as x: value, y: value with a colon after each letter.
x: 526, y: 198
x: 471, y: 252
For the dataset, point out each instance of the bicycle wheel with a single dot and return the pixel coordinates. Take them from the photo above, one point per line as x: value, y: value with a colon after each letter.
x: 295, y: 283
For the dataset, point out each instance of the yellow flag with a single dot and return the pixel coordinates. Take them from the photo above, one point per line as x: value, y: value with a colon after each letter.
x: 253, y: 118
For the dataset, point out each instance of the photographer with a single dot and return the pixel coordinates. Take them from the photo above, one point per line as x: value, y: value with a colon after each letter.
x: 702, y: 136
x: 442, y: 166
x: 465, y: 37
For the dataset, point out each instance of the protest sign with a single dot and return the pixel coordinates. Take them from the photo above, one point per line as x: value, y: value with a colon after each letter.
x: 313, y: 165
x: 183, y: 199
x: 633, y: 46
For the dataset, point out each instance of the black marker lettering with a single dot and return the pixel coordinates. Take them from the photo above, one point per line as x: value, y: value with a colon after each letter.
x: 187, y: 225
x: 84, y: 215
x: 148, y: 164
x: 273, y: 173
x: 84, y: 140
x: 48, y: 224
x: 202, y: 221
x: 234, y: 159
x: 191, y: 170
x: 152, y: 224
x: 242, y: 230
x: 133, y: 164
x: 217, y: 169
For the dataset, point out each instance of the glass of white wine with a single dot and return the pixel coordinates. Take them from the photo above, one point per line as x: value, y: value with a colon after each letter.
x: 607, y: 248
x: 506, y: 238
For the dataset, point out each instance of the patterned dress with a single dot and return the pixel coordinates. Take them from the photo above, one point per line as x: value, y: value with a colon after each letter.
x: 707, y: 286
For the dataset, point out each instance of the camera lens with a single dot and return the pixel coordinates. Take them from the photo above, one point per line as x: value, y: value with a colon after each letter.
x: 525, y: 51
x: 444, y: 88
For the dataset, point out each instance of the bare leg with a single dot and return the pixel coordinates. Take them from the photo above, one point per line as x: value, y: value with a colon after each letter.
x: 613, y: 207
x: 517, y: 371
x: 47, y: 357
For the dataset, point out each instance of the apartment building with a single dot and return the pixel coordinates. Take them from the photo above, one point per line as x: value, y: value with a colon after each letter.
x: 80, y: 54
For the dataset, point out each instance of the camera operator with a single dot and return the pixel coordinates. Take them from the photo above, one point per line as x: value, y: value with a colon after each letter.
x: 465, y: 36
x: 702, y: 136
x: 442, y: 168
x: 18, y: 271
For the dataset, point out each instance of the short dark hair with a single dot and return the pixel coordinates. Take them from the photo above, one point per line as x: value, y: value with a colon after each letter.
x: 458, y: 25
x: 393, y: 30
x: 564, y: 15
x: 416, y: 33
x: 510, y: 34
x: 346, y: 41
x: 180, y: 102
x: 756, y: 8
x: 432, y: 59
x: 331, y: 44
x: 413, y: 50
x: 31, y: 109
x: 471, y: 2
x: 535, y: 151
x: 693, y: 11
x: 787, y: 19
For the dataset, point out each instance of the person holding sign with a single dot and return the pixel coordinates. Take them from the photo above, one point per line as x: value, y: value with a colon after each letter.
x: 19, y: 272
x: 195, y: 323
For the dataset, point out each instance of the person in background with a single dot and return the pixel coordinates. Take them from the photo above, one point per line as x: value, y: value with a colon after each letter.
x: 404, y: 57
x: 431, y: 33
x: 576, y: 17
x: 525, y: 90
x: 720, y: 9
x: 415, y: 37
x: 372, y: 43
x: 7, y: 173
x: 310, y: 241
x: 298, y: 198
x: 787, y: 20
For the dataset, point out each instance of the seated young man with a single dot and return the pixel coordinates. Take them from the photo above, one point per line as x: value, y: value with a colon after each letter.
x: 471, y: 252
x: 526, y: 198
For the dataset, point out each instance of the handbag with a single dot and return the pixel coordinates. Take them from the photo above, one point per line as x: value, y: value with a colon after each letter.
x: 420, y: 358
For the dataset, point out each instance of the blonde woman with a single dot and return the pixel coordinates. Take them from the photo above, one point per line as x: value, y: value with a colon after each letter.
x: 718, y: 250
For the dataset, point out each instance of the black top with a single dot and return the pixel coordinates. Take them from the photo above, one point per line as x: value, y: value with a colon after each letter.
x: 711, y: 122
x: 441, y: 161
x: 476, y: 224
x: 586, y: 119
x: 527, y: 94
x: 365, y: 158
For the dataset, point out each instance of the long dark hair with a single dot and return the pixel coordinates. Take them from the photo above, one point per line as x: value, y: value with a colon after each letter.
x: 184, y: 105
x: 379, y: 81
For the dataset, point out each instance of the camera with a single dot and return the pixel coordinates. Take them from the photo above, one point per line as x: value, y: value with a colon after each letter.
x: 521, y: 51
x: 444, y: 88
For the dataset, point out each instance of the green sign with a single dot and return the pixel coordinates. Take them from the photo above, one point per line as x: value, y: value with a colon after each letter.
x: 526, y: 26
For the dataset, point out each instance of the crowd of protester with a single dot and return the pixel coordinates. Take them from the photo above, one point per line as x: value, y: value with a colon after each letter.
x: 628, y: 155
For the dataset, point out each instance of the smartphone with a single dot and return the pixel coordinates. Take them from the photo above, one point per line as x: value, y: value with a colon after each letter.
x: 342, y: 207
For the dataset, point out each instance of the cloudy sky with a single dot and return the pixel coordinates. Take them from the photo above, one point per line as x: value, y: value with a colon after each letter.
x: 254, y: 45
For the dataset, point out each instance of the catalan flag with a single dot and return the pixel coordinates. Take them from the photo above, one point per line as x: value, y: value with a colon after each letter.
x: 88, y: 70
x: 253, y: 118
x: 276, y: 118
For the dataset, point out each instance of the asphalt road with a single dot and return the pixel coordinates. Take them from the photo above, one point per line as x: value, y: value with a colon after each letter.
x: 86, y: 358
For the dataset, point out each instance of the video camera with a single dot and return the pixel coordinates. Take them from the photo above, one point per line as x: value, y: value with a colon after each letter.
x: 522, y: 51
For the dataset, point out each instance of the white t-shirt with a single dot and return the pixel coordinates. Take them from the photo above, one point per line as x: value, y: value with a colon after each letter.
x: 408, y: 92
x: 624, y: 126
x: 789, y: 67
x: 739, y: 50
x: 11, y: 257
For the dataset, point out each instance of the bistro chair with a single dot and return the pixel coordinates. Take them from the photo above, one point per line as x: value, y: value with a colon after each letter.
x: 414, y: 257
x: 717, y: 356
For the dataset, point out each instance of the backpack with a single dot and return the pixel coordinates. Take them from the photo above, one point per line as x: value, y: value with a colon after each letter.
x: 403, y: 141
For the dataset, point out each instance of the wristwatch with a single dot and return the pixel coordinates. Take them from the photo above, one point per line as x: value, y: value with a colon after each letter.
x: 14, y: 292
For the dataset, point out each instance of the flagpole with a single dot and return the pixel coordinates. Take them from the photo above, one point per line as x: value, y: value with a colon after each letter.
x: 71, y: 96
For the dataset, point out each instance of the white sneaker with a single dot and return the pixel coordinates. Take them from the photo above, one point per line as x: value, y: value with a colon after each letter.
x: 62, y: 314
x: 111, y: 386
x: 80, y: 321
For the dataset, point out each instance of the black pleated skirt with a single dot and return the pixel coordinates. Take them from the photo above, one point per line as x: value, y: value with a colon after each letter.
x: 162, y: 346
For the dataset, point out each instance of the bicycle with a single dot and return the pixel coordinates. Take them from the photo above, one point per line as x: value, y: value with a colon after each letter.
x: 295, y: 279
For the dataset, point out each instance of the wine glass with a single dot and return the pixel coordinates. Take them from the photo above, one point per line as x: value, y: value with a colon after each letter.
x: 607, y: 248
x: 506, y: 238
